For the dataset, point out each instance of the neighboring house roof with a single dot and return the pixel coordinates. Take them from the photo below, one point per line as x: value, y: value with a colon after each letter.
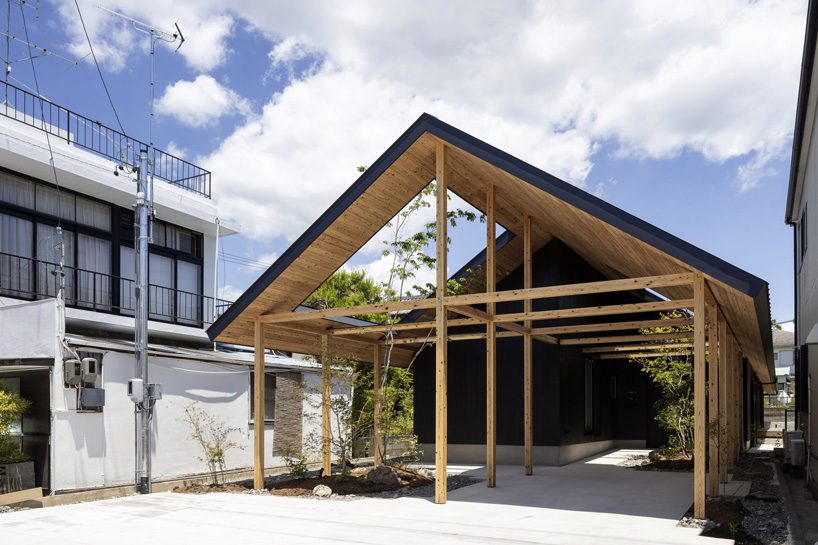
x: 272, y: 362
x: 804, y: 116
x: 783, y: 339
x: 614, y: 242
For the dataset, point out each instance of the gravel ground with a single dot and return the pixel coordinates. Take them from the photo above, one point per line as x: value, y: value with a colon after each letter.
x: 8, y: 509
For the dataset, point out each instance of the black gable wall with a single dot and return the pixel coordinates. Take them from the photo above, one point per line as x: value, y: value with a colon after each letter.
x: 558, y: 375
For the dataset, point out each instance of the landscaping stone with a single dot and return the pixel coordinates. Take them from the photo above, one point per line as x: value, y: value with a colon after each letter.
x: 383, y: 475
x: 322, y: 491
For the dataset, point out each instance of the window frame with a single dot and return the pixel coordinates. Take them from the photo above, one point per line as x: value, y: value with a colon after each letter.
x: 252, y: 389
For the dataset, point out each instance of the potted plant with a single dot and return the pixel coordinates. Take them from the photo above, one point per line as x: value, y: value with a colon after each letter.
x: 16, y: 470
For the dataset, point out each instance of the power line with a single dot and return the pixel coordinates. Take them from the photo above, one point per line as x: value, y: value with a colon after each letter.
x: 99, y: 70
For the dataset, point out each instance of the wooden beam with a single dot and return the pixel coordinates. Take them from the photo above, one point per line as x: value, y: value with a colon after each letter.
x: 476, y: 336
x: 441, y: 371
x: 713, y: 399
x: 628, y: 308
x: 528, y: 394
x: 723, y: 425
x: 633, y: 355
x: 486, y: 317
x: 19, y: 496
x: 613, y: 339
x: 377, y: 395
x: 341, y: 312
x: 635, y: 348
x: 326, y: 400
x: 491, y: 342
x: 613, y: 326
x: 582, y: 288
x: 258, y: 406
x: 699, y: 400
x: 399, y: 327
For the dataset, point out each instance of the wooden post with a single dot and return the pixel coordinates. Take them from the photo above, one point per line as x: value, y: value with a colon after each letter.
x: 491, y: 343
x: 441, y: 371
x: 326, y: 400
x: 258, y: 407
x: 699, y: 399
x: 723, y: 426
x: 527, y: 348
x: 377, y: 387
x: 713, y: 400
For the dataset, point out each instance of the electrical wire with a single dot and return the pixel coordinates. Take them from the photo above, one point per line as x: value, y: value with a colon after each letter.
x: 99, y: 70
x: 42, y: 116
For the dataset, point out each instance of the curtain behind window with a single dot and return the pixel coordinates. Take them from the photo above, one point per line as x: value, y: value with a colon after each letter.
x: 127, y: 274
x: 16, y: 235
x: 93, y: 214
x: 160, y: 288
x: 17, y: 191
x: 93, y: 272
x: 54, y: 203
x: 188, y: 295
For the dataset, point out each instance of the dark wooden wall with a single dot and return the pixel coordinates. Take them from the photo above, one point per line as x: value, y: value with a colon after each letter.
x: 558, y: 376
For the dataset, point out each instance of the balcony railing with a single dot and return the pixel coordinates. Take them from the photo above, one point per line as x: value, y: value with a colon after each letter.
x: 26, y: 278
x: 37, y: 112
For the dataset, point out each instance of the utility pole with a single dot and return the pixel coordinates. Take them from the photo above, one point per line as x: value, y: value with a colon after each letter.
x: 141, y: 391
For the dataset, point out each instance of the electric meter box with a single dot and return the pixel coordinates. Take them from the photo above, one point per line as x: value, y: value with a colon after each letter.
x: 135, y: 391
x: 72, y: 372
x: 90, y: 369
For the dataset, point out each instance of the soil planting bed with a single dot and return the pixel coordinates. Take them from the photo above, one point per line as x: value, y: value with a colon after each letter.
x: 758, y: 518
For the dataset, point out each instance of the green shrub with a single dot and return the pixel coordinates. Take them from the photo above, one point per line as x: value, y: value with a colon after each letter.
x: 12, y: 407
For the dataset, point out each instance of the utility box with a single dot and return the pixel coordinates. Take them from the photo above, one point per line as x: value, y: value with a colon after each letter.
x: 72, y: 372
x: 91, y: 370
x: 92, y: 398
x: 135, y: 391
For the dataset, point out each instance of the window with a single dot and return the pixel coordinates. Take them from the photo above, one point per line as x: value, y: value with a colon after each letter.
x: 16, y: 275
x: 269, y: 397
x: 188, y: 291
x: 589, y: 396
x: 93, y: 214
x: 802, y: 228
x: 55, y: 203
x: 93, y: 272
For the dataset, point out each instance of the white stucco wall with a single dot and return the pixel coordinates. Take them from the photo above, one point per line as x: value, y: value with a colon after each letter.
x: 28, y: 330
x: 97, y: 449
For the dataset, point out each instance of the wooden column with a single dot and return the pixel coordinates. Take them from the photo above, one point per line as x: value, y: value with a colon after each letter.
x: 377, y: 395
x: 700, y: 399
x: 326, y: 390
x: 528, y: 457
x: 258, y: 407
x: 491, y: 343
x: 441, y: 371
x: 713, y: 400
x: 723, y: 426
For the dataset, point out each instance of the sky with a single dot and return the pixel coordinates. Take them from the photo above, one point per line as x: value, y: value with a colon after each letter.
x: 680, y: 113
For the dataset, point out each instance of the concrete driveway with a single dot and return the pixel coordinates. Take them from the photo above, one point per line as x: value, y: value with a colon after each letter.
x: 594, y: 501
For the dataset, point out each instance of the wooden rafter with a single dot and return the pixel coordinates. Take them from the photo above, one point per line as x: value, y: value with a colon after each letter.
x: 613, y: 326
x: 630, y: 355
x: 607, y: 310
x: 613, y: 339
x: 636, y: 348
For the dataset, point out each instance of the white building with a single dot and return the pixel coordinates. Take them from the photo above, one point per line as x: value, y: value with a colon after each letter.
x: 783, y: 357
x: 73, y: 442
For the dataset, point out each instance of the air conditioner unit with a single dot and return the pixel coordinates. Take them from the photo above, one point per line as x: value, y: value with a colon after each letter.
x: 91, y: 370
x: 72, y: 372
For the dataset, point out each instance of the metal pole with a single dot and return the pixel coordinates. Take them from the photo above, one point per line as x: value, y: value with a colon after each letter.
x: 143, y: 408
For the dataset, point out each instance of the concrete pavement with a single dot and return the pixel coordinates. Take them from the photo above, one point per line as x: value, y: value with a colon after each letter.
x: 593, y: 501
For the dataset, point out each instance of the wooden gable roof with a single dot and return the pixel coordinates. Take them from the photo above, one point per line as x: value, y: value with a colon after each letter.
x: 616, y: 243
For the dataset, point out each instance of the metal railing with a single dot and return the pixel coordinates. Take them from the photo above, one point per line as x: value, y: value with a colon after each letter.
x: 27, y: 278
x: 37, y: 112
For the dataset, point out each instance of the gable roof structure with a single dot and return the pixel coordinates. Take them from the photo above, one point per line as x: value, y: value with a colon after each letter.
x: 615, y: 242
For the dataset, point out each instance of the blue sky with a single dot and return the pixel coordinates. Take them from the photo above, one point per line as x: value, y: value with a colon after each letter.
x: 684, y: 118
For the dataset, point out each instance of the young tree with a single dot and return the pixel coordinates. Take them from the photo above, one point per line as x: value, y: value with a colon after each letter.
x: 673, y: 375
x: 213, y: 436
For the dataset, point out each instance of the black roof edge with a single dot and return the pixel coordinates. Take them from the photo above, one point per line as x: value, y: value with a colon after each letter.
x: 684, y: 251
x: 807, y: 60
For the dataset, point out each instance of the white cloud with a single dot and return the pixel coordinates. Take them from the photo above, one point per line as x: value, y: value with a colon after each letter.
x: 201, y: 102
x: 548, y: 81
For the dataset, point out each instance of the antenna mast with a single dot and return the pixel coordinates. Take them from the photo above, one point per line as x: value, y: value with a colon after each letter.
x: 144, y: 394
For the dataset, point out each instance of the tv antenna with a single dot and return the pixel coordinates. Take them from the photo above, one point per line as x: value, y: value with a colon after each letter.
x: 142, y: 393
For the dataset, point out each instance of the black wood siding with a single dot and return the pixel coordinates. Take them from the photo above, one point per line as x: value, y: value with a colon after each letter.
x: 558, y: 375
